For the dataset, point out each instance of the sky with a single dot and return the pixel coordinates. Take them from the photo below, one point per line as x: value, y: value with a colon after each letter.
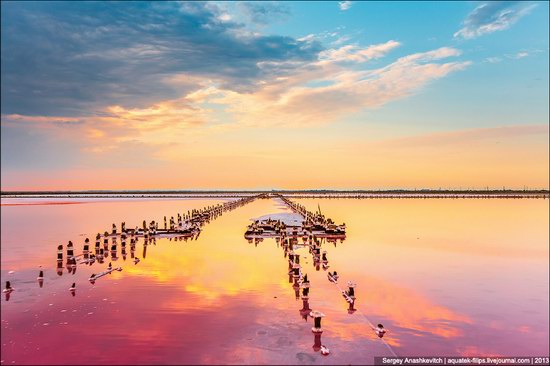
x: 274, y: 95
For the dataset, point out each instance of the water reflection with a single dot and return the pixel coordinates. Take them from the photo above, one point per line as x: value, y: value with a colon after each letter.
x: 305, y: 310
x: 285, y: 231
x: 221, y: 283
x: 316, y: 342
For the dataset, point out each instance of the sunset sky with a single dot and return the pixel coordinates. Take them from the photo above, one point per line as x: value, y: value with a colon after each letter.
x: 282, y: 95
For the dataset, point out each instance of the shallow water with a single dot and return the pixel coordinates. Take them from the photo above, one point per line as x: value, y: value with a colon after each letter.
x: 445, y: 277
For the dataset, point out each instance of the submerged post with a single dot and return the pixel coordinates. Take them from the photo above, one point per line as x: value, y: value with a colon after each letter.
x: 86, y: 249
x: 380, y: 331
x: 8, y: 287
x: 305, y: 310
x: 316, y: 315
x: 317, y: 342
x: 60, y: 253
x: 351, y: 290
x: 40, y: 278
x: 70, y: 250
x: 305, y: 293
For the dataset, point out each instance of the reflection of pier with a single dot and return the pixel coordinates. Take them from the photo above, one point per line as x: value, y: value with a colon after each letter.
x: 185, y: 226
x: 287, y: 229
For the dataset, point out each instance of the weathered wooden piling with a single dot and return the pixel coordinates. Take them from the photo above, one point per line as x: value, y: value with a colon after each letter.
x: 59, y: 253
x: 316, y: 315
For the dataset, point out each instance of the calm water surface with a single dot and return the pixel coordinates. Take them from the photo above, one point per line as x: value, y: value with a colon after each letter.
x: 445, y: 277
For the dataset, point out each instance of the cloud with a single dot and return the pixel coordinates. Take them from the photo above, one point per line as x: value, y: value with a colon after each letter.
x: 265, y: 12
x: 493, y: 60
x: 493, y: 16
x: 109, y: 76
x: 116, y: 127
x: 436, y: 54
x: 295, y: 94
x: 18, y: 118
x: 68, y: 58
x: 345, y: 5
x: 358, y: 54
x: 325, y: 91
x: 515, y: 56
x: 525, y: 53
x: 521, y: 55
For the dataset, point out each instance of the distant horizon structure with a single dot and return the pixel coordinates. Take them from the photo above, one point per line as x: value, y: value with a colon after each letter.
x: 244, y: 190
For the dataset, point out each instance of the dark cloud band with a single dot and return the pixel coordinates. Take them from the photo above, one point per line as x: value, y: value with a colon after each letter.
x: 73, y: 58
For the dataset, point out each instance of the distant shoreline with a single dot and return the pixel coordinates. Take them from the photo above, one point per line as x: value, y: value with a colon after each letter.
x: 425, y: 193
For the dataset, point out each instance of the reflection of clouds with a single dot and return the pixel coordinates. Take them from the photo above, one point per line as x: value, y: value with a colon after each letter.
x: 411, y: 319
x: 356, y: 330
x: 242, y: 354
x: 134, y: 329
x: 188, y: 297
x: 207, y: 274
x: 408, y: 309
x: 476, y: 226
x: 476, y: 351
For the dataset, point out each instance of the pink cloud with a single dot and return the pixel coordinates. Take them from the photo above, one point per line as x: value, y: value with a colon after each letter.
x: 295, y: 100
x: 358, y: 54
x: 298, y: 95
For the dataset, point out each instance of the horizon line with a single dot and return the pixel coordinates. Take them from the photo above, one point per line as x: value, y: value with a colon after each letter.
x: 313, y: 190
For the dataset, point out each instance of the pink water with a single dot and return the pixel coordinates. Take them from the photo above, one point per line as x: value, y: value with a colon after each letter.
x: 445, y: 277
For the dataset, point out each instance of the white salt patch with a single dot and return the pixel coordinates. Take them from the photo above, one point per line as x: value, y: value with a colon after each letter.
x: 289, y: 218
x: 11, y: 272
x: 46, y: 324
